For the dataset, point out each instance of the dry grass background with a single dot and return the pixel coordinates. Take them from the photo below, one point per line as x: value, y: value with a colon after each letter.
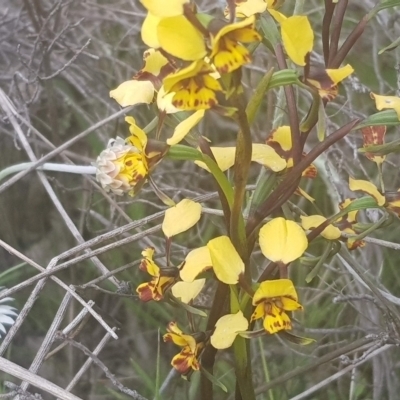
x: 58, y: 61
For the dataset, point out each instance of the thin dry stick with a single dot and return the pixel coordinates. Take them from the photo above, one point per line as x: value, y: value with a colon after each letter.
x: 21, y: 373
x: 47, y: 273
x: 339, y: 374
x: 9, y: 108
x: 64, y: 146
x: 67, y: 264
x: 59, y: 282
x: 49, y: 338
x: 88, y: 362
x: 71, y: 326
x: 132, y: 393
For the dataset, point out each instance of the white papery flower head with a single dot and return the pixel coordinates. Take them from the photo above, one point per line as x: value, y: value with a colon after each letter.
x: 123, y: 164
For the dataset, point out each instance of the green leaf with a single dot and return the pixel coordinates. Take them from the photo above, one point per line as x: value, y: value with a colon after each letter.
x: 182, y: 152
x: 213, y: 379
x: 382, y: 149
x: 258, y: 96
x: 283, y: 78
x: 325, y: 255
x: 381, y: 6
x: 391, y: 46
x: 268, y: 27
x: 388, y: 118
x: 188, y: 308
x: 290, y: 337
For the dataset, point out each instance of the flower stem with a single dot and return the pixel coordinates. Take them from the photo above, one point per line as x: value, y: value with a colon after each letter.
x: 242, y: 167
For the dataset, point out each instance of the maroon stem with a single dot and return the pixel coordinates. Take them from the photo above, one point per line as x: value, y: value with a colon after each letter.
x: 326, y: 24
x: 292, y: 108
x: 337, y: 28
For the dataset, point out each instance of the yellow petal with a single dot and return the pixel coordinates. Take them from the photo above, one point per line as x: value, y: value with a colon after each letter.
x: 304, y: 194
x: 282, y: 240
x: 276, y: 321
x: 227, y: 328
x: 149, y: 31
x: 275, y: 289
x: 181, y: 217
x: 297, y: 37
x: 197, y: 261
x: 178, y: 37
x: 283, y: 136
x: 164, y: 101
x: 133, y: 92
x: 161, y: 8
x: 383, y: 102
x: 262, y: 154
x: 312, y: 221
x: 279, y: 17
x: 154, y: 61
x: 367, y: 187
x: 227, y: 264
x: 185, y: 126
x: 265, y: 155
x: 337, y: 75
x: 250, y: 7
x: 224, y: 156
x: 187, y: 291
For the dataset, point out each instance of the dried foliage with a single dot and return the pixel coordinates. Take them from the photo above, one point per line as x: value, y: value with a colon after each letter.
x: 70, y: 251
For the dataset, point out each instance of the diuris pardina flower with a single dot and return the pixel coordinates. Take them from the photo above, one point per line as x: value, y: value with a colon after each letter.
x: 146, y: 82
x: 346, y: 223
x: 228, y: 53
x: 272, y: 299
x: 326, y: 80
x: 194, y: 86
x: 389, y: 200
x: 187, y: 359
x: 280, y: 140
x: 153, y: 290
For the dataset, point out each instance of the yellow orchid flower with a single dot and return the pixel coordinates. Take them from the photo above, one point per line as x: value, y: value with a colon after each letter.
x: 326, y: 80
x: 227, y: 51
x: 271, y: 300
x: 187, y: 360
x: 282, y: 240
x: 345, y: 224
x: 143, y: 86
x: 194, y: 86
x: 153, y: 290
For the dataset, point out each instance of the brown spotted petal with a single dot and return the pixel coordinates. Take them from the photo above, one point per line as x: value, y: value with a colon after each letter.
x: 374, y: 135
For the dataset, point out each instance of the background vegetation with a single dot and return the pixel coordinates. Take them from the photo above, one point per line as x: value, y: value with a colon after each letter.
x: 58, y: 62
